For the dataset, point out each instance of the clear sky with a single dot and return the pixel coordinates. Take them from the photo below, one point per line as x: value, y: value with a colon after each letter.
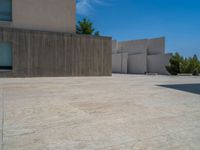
x: 177, y: 20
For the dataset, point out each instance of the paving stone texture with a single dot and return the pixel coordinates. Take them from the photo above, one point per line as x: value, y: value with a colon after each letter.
x: 123, y: 112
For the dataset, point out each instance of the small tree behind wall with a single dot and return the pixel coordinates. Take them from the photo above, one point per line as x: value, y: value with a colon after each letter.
x: 86, y: 27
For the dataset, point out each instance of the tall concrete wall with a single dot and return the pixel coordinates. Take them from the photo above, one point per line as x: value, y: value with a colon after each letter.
x: 51, y: 54
x: 156, y: 46
x: 119, y: 63
x: 151, y: 46
x: 157, y: 63
x: 114, y: 46
x: 137, y: 64
x: 133, y: 47
x: 144, y: 56
x: 45, y: 15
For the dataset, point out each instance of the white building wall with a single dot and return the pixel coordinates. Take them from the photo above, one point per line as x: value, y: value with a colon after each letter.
x: 157, y: 63
x: 119, y: 63
x: 143, y: 56
x: 137, y: 64
x: 114, y: 46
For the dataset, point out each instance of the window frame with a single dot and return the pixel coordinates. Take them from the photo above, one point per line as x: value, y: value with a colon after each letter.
x: 11, y: 15
x: 10, y: 68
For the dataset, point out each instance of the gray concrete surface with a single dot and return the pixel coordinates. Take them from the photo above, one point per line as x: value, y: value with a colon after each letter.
x: 1, y: 119
x: 114, y: 47
x: 123, y: 112
x: 156, y: 46
x: 133, y: 47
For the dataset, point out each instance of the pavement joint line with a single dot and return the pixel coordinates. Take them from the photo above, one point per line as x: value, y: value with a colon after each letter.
x: 2, y: 121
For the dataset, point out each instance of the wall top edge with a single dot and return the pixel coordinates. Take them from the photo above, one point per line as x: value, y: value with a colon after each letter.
x: 162, y: 37
x: 160, y: 54
x: 53, y: 32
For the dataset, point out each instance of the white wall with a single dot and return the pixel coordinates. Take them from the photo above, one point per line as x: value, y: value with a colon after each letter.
x: 114, y: 46
x: 137, y: 64
x: 144, y: 56
x: 119, y: 63
x: 157, y: 63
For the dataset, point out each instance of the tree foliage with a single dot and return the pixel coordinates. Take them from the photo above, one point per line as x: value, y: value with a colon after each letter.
x: 174, y: 67
x: 179, y: 64
x: 86, y: 27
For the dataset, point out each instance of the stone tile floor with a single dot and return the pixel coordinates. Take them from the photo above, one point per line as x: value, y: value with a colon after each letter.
x: 123, y: 112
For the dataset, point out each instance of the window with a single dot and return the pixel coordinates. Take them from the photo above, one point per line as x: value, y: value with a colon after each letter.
x: 5, y: 56
x: 5, y: 10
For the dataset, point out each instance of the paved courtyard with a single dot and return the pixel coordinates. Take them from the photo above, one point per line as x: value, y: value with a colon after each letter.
x: 123, y: 112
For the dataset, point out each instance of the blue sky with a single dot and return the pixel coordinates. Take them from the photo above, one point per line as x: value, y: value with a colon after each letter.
x: 177, y: 20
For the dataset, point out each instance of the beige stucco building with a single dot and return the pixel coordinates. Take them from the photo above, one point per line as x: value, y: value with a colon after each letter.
x: 44, y: 15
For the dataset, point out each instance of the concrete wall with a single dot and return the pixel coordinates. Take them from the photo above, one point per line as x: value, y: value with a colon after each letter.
x: 144, y: 56
x: 137, y: 64
x: 151, y: 46
x: 119, y: 63
x: 50, y: 54
x: 47, y: 15
x: 133, y: 47
x: 156, y: 46
x: 114, y: 46
x: 157, y: 63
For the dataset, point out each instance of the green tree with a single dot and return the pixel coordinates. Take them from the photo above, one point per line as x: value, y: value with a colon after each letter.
x: 178, y: 64
x: 174, y: 67
x: 194, y: 65
x: 97, y: 33
x: 86, y: 27
x: 184, y: 66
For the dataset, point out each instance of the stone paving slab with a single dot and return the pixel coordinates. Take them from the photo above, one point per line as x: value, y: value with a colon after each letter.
x: 1, y: 119
x: 101, y: 113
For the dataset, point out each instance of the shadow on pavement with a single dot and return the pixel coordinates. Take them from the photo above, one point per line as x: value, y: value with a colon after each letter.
x: 192, y: 88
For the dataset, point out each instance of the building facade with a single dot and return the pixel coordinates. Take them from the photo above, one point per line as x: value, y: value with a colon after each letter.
x: 140, y: 56
x: 43, y: 15
x: 37, y: 38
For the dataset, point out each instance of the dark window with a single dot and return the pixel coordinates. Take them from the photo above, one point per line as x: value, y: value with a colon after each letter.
x: 5, y: 10
x: 6, y: 55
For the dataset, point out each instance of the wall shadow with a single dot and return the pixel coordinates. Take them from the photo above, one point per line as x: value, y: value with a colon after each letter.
x: 192, y: 88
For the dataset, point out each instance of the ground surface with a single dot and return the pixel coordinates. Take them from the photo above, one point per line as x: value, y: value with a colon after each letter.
x: 123, y: 112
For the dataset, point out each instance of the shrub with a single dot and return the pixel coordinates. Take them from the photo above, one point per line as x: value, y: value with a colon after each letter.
x: 178, y: 64
x: 193, y: 64
x: 184, y: 66
x: 174, y: 67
